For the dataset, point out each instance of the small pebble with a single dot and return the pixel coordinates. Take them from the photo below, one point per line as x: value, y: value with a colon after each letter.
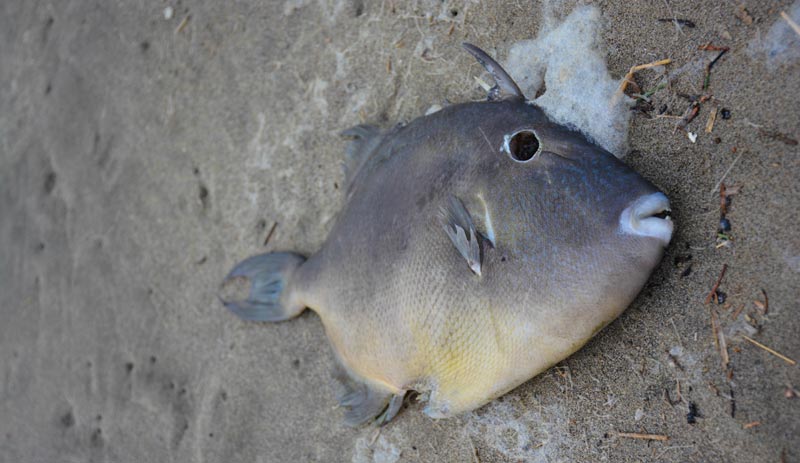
x: 725, y: 113
x: 724, y: 225
x: 168, y: 12
x: 692, y: 415
x: 721, y: 297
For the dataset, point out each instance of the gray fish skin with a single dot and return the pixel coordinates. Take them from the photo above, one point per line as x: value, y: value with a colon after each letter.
x: 567, y: 240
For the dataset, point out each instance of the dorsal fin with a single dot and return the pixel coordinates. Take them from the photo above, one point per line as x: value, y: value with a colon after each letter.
x: 504, y: 87
x: 365, y: 138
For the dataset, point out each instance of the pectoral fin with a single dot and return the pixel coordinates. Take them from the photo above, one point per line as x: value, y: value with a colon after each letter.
x: 458, y: 225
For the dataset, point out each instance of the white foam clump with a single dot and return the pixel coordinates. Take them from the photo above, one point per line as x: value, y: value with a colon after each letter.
x: 781, y: 45
x: 382, y: 451
x: 518, y: 432
x: 569, y: 58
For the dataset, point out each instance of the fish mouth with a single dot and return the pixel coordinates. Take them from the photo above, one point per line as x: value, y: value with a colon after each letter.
x: 648, y: 216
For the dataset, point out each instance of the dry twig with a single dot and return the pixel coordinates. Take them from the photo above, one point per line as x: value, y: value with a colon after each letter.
x: 374, y: 438
x: 771, y: 351
x: 723, y: 199
x: 722, y: 179
x: 709, y: 47
x: 269, y: 234
x: 636, y: 435
x: 713, y: 294
x: 486, y: 87
x: 183, y: 24
x: 775, y: 135
x: 719, y: 339
x: 712, y: 117
x: 628, y: 79
x: 792, y: 24
x: 762, y: 306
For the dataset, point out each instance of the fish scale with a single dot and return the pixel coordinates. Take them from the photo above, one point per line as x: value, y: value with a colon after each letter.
x: 477, y: 247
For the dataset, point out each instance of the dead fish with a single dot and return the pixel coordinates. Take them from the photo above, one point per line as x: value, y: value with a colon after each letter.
x: 479, y: 246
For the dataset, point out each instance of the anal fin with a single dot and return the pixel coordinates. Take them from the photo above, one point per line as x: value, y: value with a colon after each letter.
x: 460, y: 228
x: 366, y: 403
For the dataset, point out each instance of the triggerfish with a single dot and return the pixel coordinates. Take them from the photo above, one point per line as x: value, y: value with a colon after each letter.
x: 478, y: 246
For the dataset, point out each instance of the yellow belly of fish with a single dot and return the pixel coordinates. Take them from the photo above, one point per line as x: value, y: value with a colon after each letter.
x: 463, y: 362
x: 471, y: 360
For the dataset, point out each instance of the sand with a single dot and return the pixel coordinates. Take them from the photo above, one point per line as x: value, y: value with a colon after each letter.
x: 142, y: 156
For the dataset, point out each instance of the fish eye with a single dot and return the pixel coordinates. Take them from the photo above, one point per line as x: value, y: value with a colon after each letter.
x: 522, y: 145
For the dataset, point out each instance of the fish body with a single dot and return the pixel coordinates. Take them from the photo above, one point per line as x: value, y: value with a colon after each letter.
x: 478, y: 246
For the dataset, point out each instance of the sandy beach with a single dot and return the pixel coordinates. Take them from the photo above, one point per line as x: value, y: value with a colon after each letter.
x: 148, y: 146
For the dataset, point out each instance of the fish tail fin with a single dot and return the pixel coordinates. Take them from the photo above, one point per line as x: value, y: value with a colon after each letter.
x: 269, y: 276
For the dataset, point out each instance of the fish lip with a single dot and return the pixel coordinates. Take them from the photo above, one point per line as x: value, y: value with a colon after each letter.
x: 640, y: 218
